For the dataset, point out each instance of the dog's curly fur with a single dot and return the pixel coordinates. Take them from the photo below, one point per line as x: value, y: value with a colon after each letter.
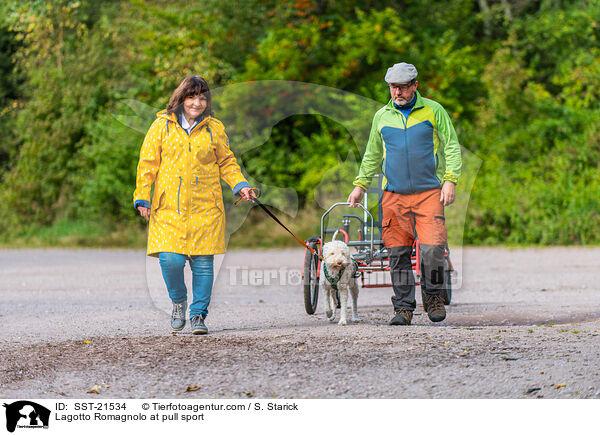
x: 337, y: 255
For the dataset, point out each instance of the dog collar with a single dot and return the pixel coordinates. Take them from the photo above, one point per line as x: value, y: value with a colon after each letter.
x: 333, y: 280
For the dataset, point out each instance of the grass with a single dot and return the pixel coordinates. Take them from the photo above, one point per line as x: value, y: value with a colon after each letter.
x: 258, y: 231
x: 76, y: 234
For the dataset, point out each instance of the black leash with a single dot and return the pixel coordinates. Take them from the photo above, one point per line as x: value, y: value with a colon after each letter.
x: 255, y: 195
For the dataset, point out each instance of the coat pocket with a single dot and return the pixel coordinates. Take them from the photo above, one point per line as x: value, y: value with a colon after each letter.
x: 158, y: 202
x: 218, y: 201
x: 204, y: 195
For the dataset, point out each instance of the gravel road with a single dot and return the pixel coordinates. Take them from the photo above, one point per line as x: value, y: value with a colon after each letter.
x: 525, y: 323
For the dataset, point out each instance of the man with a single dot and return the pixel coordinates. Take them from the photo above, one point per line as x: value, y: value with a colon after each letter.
x: 413, y: 141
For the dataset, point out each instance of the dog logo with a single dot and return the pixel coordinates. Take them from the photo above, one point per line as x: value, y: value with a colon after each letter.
x: 25, y: 414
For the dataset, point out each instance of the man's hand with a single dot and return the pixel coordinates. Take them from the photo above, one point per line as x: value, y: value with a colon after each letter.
x: 356, y: 197
x: 144, y: 211
x: 448, y: 193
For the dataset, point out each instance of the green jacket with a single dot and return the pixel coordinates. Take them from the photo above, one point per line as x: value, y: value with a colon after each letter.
x: 415, y: 154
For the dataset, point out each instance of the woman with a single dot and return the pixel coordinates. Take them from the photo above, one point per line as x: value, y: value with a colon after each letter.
x: 185, y: 154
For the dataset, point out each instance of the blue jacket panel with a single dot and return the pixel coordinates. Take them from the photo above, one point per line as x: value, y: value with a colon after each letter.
x: 406, y: 149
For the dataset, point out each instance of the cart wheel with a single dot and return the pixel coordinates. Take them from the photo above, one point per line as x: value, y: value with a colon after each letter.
x: 311, y: 280
x: 448, y: 289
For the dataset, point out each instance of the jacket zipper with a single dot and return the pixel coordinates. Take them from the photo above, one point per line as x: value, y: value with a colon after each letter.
x: 190, y: 149
x: 190, y: 135
x: 178, y: 192
x: 405, y: 121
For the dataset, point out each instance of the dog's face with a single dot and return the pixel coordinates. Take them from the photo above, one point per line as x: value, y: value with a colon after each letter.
x: 336, y: 254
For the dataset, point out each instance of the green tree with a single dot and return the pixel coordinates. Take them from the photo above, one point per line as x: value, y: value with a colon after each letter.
x: 540, y: 179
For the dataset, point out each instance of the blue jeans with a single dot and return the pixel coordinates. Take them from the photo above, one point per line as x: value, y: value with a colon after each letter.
x: 172, y: 266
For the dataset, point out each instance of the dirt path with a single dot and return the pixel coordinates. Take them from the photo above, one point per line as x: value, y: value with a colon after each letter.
x: 525, y: 323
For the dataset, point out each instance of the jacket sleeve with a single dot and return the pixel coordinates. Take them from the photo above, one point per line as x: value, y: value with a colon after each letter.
x: 371, y: 162
x: 229, y: 170
x: 451, y: 147
x: 149, y: 163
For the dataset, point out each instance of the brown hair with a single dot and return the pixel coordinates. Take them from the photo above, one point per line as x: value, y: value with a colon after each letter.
x: 190, y: 87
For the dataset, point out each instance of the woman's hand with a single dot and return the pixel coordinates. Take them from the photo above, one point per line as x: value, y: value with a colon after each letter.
x: 144, y: 211
x: 245, y: 193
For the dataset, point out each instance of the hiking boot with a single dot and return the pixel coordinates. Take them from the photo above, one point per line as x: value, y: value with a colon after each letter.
x: 198, y: 326
x: 178, y: 316
x: 402, y: 317
x: 434, y: 305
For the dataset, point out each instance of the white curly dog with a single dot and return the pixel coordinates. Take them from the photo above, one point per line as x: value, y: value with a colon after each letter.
x: 338, y: 273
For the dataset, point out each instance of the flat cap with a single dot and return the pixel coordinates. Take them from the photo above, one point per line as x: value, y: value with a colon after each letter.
x: 401, y: 73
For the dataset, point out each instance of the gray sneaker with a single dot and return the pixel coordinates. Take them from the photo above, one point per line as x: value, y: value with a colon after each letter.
x: 178, y: 316
x: 198, y: 326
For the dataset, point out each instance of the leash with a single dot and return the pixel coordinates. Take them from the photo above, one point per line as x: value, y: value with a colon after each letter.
x: 254, y: 194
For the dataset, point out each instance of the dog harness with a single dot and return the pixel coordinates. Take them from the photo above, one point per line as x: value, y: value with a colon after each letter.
x: 333, y: 280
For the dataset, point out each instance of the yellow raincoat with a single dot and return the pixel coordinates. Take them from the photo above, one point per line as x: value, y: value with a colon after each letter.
x: 187, y: 212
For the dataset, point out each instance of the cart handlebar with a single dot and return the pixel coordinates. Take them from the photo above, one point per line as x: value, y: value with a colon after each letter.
x: 367, y: 212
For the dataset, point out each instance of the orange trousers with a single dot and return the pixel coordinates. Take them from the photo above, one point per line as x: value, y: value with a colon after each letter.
x: 405, y: 216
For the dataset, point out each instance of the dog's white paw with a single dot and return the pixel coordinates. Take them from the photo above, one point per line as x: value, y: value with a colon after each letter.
x: 342, y: 322
x: 330, y: 314
x: 356, y: 319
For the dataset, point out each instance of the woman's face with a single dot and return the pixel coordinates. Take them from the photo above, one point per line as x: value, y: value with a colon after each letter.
x: 194, y: 106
